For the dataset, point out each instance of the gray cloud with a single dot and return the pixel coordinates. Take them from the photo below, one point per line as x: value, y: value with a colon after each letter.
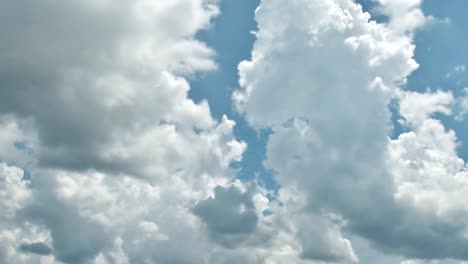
x: 75, y: 239
x: 77, y: 70
x: 229, y: 215
x: 36, y: 248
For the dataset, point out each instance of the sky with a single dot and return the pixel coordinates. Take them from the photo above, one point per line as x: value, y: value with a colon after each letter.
x: 221, y: 131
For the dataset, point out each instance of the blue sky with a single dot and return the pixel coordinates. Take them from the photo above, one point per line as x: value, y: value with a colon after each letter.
x: 231, y: 37
x: 441, y: 48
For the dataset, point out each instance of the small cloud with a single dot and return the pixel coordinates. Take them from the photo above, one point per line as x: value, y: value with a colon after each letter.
x: 461, y: 106
x: 431, y: 20
x: 457, y: 69
x: 460, y: 68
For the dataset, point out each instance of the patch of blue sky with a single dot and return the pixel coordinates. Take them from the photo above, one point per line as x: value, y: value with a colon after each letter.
x: 441, y: 50
x: 232, y: 40
x: 370, y: 6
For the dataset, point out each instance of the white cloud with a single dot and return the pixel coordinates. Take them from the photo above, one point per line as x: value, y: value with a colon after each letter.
x: 310, y: 43
x: 15, y: 194
x: 325, y: 63
x: 405, y: 15
x: 456, y: 70
x: 428, y: 173
x: 461, y: 106
x: 416, y: 108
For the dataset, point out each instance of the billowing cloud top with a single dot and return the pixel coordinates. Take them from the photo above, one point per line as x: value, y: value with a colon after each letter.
x: 104, y: 157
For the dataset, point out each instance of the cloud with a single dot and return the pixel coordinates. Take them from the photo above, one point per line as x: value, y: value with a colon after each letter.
x: 456, y: 70
x: 15, y: 194
x: 405, y: 15
x: 461, y: 106
x: 430, y: 178
x: 126, y: 168
x: 36, y: 248
x: 16, y: 141
x: 95, y: 107
x: 326, y: 64
x: 416, y: 107
x: 229, y: 214
x: 95, y: 76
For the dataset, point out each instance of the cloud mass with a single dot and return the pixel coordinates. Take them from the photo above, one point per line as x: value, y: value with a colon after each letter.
x: 105, y: 157
x: 328, y: 65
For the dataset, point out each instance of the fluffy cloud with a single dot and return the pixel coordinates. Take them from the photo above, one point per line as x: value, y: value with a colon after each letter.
x: 94, y: 106
x: 405, y: 15
x: 126, y: 168
x: 96, y: 76
x: 321, y: 36
x: 332, y: 70
x: 430, y: 178
x: 322, y: 77
x: 15, y: 194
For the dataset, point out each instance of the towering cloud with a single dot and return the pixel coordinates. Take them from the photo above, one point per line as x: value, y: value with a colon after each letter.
x: 322, y: 77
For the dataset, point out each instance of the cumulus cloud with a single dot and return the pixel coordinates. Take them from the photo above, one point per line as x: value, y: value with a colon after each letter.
x: 416, y: 107
x: 430, y: 177
x: 126, y: 168
x: 327, y: 65
x: 94, y: 106
x: 96, y: 76
x: 405, y: 15
x: 15, y: 194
